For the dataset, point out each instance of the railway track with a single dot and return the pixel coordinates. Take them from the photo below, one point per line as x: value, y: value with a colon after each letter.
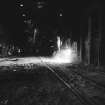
x: 99, y: 85
x: 80, y: 95
x: 83, y: 98
x: 95, y: 84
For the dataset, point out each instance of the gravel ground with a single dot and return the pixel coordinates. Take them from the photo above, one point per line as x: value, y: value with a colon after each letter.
x: 39, y: 86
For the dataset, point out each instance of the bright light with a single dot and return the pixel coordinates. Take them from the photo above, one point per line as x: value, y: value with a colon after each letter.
x: 59, y: 43
x: 66, y: 54
x: 24, y: 15
x: 39, y: 6
x: 21, y: 5
x: 60, y: 14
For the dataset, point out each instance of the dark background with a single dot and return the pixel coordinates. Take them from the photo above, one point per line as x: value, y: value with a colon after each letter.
x: 75, y: 18
x: 73, y: 13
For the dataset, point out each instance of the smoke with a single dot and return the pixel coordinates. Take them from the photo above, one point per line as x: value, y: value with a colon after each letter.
x: 66, y: 53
